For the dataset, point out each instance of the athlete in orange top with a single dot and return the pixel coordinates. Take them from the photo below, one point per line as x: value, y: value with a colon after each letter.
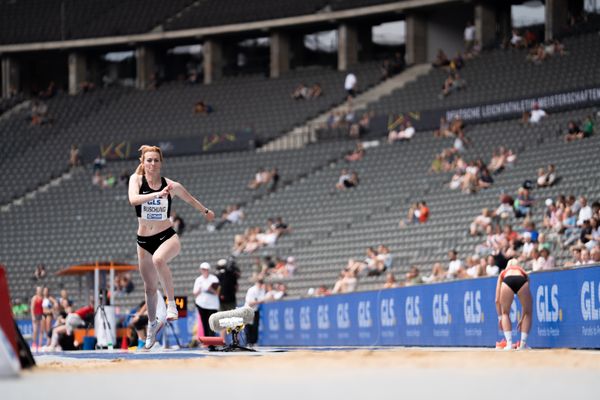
x: 513, y: 280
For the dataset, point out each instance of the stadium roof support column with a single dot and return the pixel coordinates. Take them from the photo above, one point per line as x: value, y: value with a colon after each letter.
x: 145, y: 66
x: 10, y: 77
x: 557, y: 15
x: 416, y: 38
x: 77, y: 71
x: 503, y: 12
x: 485, y: 24
x: 347, y: 46
x: 213, y: 55
x: 280, y: 54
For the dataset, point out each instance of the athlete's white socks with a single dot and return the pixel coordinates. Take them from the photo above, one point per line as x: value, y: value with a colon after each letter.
x: 508, y: 337
x: 523, y: 339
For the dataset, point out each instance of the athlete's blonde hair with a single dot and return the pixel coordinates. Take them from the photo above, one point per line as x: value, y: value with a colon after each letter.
x: 143, y: 150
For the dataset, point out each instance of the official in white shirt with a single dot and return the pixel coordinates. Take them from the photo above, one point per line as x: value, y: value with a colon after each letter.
x: 206, y: 290
x: 255, y: 296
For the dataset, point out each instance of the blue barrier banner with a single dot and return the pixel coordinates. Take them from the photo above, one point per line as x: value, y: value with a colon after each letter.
x: 566, y: 313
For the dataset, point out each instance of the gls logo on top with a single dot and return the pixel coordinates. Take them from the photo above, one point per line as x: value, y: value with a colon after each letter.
x: 388, y: 316
x: 546, y: 304
x: 412, y: 311
x: 305, y: 318
x: 288, y: 319
x: 590, y: 301
x: 472, y: 307
x: 364, y: 314
x: 441, y: 312
x: 323, y: 316
x: 343, y: 316
x: 274, y: 320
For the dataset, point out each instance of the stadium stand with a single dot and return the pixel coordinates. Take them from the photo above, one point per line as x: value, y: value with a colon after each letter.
x: 249, y: 102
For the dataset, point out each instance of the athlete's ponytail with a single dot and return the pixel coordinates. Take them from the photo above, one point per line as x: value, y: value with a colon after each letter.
x: 145, y: 149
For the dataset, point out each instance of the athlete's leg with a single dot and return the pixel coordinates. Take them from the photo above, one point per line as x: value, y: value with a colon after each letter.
x: 150, y: 278
x: 506, y: 299
x: 526, y: 304
x: 162, y: 256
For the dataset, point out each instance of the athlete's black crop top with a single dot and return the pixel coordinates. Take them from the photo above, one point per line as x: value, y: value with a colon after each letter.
x: 155, y: 209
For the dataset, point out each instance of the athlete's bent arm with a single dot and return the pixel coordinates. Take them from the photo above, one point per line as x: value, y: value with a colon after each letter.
x: 178, y: 190
x: 135, y: 198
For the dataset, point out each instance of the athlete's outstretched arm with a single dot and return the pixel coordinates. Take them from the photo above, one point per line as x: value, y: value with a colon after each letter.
x: 178, y: 190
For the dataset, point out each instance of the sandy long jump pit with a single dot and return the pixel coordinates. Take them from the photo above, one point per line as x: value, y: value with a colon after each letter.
x: 390, y: 373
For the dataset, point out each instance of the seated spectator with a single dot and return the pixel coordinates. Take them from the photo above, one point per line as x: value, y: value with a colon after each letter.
x: 452, y: 83
x: 543, y: 262
x: 523, y: 202
x: 491, y: 269
x: 390, y: 281
x: 290, y: 266
x: 386, y: 69
x: 505, y: 210
x: 475, y: 267
x: 444, y: 129
x: 461, y: 142
x: 481, y: 222
x: 346, y: 282
x: 457, y: 125
x: 438, y: 274
x: 588, y: 127
x: 74, y: 157
x: 275, y: 292
x: 40, y: 272
x: 585, y: 212
x: 261, y: 177
x: 547, y: 177
x: 109, y: 181
x: 517, y: 40
x: 99, y: 163
x: 357, y: 154
x: 413, y: 277
x: 573, y: 132
x: 347, y: 180
x: 124, y: 283
x: 441, y: 59
x: 384, y: 259
x: 418, y: 213
x: 456, y: 268
x: 301, y: 92
x: 405, y: 134
x: 39, y: 113
x: 535, y: 115
x: 316, y: 90
x: 366, y: 267
x: 322, y: 291
x: 202, y: 108
x: 350, y: 85
x: 362, y: 126
x: 49, y: 92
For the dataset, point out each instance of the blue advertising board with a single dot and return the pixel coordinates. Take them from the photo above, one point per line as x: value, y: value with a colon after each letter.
x: 566, y: 313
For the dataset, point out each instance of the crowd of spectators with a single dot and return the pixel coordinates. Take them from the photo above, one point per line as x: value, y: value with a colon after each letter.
x: 256, y: 237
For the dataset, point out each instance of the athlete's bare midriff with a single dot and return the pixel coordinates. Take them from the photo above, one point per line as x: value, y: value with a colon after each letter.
x: 149, y: 228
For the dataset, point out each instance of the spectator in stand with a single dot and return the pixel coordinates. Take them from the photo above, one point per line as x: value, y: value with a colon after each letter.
x: 588, y: 126
x: 456, y: 268
x: 544, y: 261
x: 201, y: 108
x: 469, y: 36
x: 517, y: 40
x: 20, y: 310
x: 413, y: 277
x: 276, y: 292
x: 99, y: 163
x: 585, y: 211
x: 74, y: 157
x: 261, y: 177
x: 316, y: 90
x: 546, y: 177
x: 475, y: 267
x: 481, y: 222
x: 346, y: 282
x: 452, y: 83
x: 403, y: 135
x: 206, y: 292
x: 438, y: 274
x: 390, y: 281
x: 39, y: 113
x: 444, y: 129
x: 301, y: 92
x: 535, y: 115
x: 441, y: 59
x: 347, y: 180
x: 233, y: 214
x: 523, y: 202
x: 39, y: 273
x: 485, y: 179
x: 350, y: 85
x: 491, y: 269
x: 505, y: 210
x: 573, y: 132
x: 357, y: 154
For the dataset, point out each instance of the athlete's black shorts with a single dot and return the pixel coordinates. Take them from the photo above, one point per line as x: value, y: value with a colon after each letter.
x: 152, y: 243
x: 515, y: 282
